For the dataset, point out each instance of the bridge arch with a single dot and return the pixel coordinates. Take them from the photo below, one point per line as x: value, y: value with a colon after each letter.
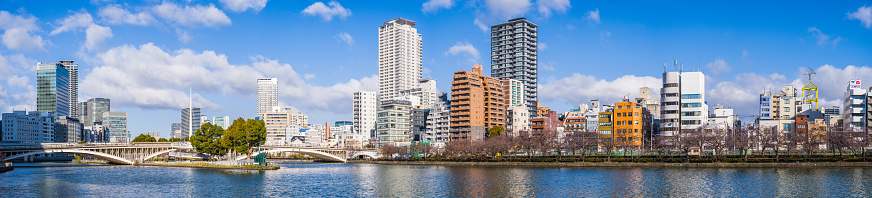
x: 108, y: 157
x: 311, y: 152
x: 372, y: 155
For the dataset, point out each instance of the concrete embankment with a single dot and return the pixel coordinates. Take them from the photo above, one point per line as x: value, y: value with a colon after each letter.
x: 631, y: 164
x: 6, y: 167
x: 210, y: 166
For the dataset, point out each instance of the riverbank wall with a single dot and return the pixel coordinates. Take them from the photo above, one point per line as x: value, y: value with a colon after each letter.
x: 6, y: 167
x: 210, y: 166
x: 629, y: 164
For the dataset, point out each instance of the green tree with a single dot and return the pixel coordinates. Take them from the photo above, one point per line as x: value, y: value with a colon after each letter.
x: 144, y: 138
x: 162, y: 140
x: 495, y: 131
x: 207, y: 140
x: 175, y: 140
x: 243, y: 136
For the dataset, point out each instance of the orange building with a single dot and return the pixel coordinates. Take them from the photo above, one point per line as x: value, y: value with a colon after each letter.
x: 630, y: 123
x: 478, y: 102
x: 574, y: 124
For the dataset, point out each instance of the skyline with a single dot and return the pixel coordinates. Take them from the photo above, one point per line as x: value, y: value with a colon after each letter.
x: 141, y: 61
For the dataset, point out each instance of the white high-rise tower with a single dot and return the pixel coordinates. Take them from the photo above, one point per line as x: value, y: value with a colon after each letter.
x: 267, y: 94
x: 399, y: 57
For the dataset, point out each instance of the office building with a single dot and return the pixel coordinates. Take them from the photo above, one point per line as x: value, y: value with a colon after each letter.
x: 116, y: 126
x: 682, y: 102
x: 53, y: 89
x: 854, y: 107
x: 190, y: 121
x: 277, y: 119
x: 419, y: 123
x: 394, y: 124
x: 93, y: 109
x: 222, y: 122
x: 514, y: 56
x: 631, y: 123
x: 28, y: 127
x: 176, y: 131
x: 68, y: 130
x: 267, y: 94
x: 154, y: 134
x: 365, y: 105
x: 73, y: 70
x: 95, y: 134
x: 478, y: 103
x: 399, y: 58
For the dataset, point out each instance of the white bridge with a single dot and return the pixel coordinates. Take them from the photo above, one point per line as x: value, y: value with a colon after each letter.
x: 133, y: 153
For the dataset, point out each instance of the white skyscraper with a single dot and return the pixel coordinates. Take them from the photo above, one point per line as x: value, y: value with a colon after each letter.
x: 73, y: 69
x: 685, y: 106
x: 399, y: 57
x: 365, y: 103
x: 267, y: 94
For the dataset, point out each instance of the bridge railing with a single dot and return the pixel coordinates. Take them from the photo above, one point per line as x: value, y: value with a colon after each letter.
x: 20, y: 146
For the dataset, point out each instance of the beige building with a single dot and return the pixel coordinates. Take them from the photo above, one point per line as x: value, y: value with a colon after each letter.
x: 277, y: 121
x: 478, y: 102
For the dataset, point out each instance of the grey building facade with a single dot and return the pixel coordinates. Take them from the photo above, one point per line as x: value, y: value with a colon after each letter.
x: 514, y: 54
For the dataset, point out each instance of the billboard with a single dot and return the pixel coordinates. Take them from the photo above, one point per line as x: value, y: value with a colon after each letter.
x: 855, y: 84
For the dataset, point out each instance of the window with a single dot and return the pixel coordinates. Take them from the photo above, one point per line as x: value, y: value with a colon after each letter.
x: 693, y: 104
x: 786, y: 109
x: 690, y: 96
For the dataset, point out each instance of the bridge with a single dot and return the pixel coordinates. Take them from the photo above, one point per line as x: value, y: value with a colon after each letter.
x: 133, y: 153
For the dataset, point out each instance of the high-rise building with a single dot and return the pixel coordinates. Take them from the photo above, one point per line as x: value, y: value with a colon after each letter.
x: 478, y: 103
x: 394, y: 124
x: 514, y: 56
x: 95, y: 134
x: 154, y: 134
x: 399, y: 58
x: 278, y: 119
x: 190, y: 121
x: 267, y: 94
x: 68, y: 130
x: 92, y: 110
x: 116, y: 126
x: 682, y: 102
x: 854, y: 107
x: 365, y: 105
x: 176, y: 131
x: 222, y: 122
x: 53, y: 89
x: 28, y: 127
x: 73, y: 70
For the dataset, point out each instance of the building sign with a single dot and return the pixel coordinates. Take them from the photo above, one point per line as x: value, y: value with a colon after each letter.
x: 855, y: 84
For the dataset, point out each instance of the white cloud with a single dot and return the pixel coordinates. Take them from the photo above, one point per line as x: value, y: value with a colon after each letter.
x: 328, y: 11
x: 309, y: 76
x: 149, y: 77
x: 580, y: 89
x: 114, y: 14
x: 96, y: 36
x: 243, y: 5
x: 197, y: 15
x: 546, y: 7
x: 18, y: 33
x: 346, y: 38
x: 542, y: 46
x: 73, y: 22
x: 593, y: 16
x: 499, y: 11
x: 824, y: 39
x: 718, y: 67
x: 864, y: 14
x: 184, y: 37
x: 549, y: 66
x: 604, y: 37
x: 465, y: 48
x: 435, y: 5
x: 18, y: 81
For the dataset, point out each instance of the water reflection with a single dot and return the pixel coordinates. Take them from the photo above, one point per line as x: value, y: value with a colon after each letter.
x: 369, y: 180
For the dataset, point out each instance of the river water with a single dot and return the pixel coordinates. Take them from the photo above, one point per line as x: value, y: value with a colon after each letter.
x: 371, y: 180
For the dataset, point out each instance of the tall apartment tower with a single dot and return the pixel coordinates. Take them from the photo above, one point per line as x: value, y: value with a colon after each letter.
x: 73, y: 69
x: 514, y: 56
x: 365, y: 105
x: 682, y: 102
x: 478, y: 103
x: 399, y: 57
x: 267, y: 94
x: 53, y: 89
x: 190, y: 121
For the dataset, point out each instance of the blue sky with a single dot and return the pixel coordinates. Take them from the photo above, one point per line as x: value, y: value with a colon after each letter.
x: 144, y: 56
